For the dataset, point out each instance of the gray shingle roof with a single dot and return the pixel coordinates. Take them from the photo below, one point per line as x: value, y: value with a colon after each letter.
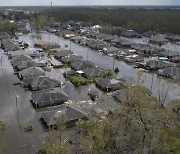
x: 32, y: 72
x: 94, y: 72
x: 81, y: 65
x: 49, y: 97
x: 68, y: 112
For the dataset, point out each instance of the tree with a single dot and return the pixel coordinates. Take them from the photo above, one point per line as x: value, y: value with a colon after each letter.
x: 135, y: 126
x: 55, y: 141
x: 116, y: 70
x: 2, y: 131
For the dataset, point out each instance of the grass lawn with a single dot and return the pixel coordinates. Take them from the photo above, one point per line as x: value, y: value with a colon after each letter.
x: 78, y: 80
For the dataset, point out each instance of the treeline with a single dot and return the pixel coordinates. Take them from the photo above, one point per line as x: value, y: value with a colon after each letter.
x: 7, y: 26
x: 141, y: 20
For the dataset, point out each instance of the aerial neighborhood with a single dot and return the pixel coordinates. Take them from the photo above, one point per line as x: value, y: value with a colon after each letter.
x: 64, y: 74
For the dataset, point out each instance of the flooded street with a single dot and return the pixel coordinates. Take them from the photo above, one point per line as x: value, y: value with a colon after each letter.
x: 127, y: 72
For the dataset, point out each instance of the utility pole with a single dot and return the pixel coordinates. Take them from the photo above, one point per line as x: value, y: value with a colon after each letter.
x: 87, y: 53
x: 17, y: 111
x: 113, y: 63
x: 70, y: 44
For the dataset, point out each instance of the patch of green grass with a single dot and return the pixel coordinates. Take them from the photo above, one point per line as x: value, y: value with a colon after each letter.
x: 78, y: 80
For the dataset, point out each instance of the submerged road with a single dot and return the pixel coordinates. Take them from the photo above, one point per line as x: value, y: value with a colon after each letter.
x: 127, y: 72
x: 16, y: 112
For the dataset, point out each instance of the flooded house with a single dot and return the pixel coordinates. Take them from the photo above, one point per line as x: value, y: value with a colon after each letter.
x: 170, y: 72
x: 121, y: 43
x: 173, y: 37
x: 31, y: 72
x: 43, y: 82
x: 168, y: 54
x: 93, y: 72
x: 70, y: 59
x: 109, y: 84
x: 60, y: 53
x: 175, y: 59
x: 21, y: 57
x: 67, y: 114
x: 110, y: 50
x: 154, y: 65
x: 4, y: 37
x: 133, y: 58
x: 66, y: 33
x: 159, y: 40
x: 131, y: 34
x: 46, y: 45
x: 146, y: 49
x: 10, y: 46
x: 26, y: 64
x: 49, y: 97
x: 77, y: 39
x: 81, y: 65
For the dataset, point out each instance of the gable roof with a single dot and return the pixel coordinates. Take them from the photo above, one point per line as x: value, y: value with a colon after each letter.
x: 71, y: 59
x: 21, y: 57
x: 81, y: 65
x: 171, y: 72
x: 94, y: 72
x: 32, y: 71
x: 156, y: 64
x: 43, y: 82
x: 109, y: 83
x: 49, y: 97
x: 68, y: 112
x: 10, y: 46
x: 29, y: 63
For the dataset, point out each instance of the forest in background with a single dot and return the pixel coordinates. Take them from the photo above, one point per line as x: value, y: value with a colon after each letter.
x: 141, y: 20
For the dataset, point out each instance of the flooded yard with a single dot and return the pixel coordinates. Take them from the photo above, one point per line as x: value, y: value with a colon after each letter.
x: 127, y: 72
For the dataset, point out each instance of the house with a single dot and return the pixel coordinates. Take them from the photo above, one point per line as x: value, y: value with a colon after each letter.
x: 66, y: 33
x: 131, y: 34
x: 77, y: 39
x: 81, y: 65
x: 60, y: 52
x: 173, y: 38
x: 93, y: 72
x: 133, y: 58
x: 70, y: 59
x: 31, y: 72
x: 126, y: 95
x: 4, y: 37
x: 10, y: 46
x: 67, y: 74
x: 109, y: 84
x: 21, y: 57
x: 158, y: 40
x: 123, y: 95
x: 146, y: 49
x: 32, y: 52
x: 175, y: 59
x: 46, y: 45
x: 149, y: 34
x: 26, y: 64
x: 43, y: 82
x: 170, y: 72
x: 110, y: 50
x: 49, y: 97
x: 154, y: 65
x: 66, y: 113
x: 121, y: 54
x: 168, y: 54
x: 95, y: 44
x: 119, y: 42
